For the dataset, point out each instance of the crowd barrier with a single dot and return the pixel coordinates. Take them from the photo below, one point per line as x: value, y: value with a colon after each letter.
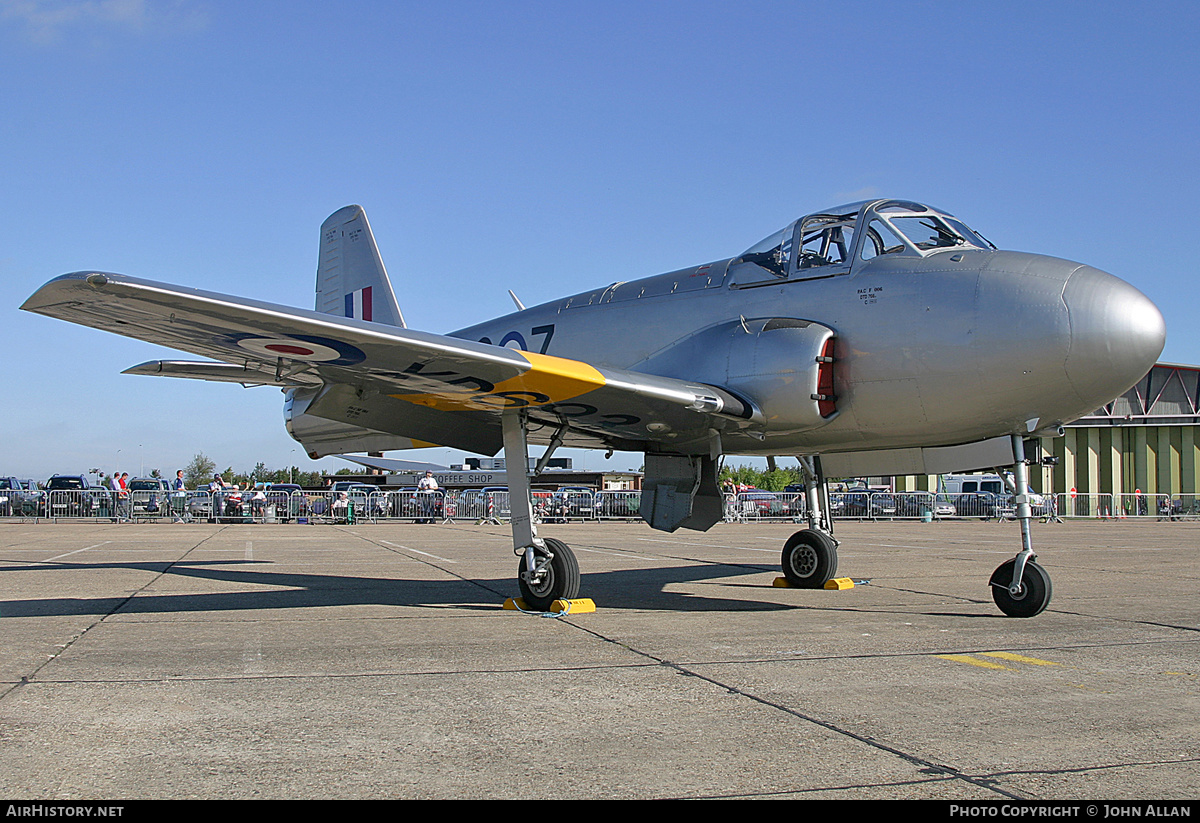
x: 484, y: 505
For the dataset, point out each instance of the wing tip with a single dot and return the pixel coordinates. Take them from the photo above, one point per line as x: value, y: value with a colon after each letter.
x: 49, y: 292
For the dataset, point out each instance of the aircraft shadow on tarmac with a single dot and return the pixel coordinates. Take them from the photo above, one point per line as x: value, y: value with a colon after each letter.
x: 641, y: 589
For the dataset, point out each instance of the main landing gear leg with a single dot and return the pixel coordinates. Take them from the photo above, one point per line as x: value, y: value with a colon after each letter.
x: 810, y: 556
x: 1021, y: 587
x: 548, y: 570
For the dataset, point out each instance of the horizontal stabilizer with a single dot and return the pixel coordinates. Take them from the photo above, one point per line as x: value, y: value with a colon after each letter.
x: 392, y: 465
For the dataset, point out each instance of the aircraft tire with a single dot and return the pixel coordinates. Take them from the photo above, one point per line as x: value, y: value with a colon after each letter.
x: 809, y: 559
x: 560, y: 583
x: 1035, y: 594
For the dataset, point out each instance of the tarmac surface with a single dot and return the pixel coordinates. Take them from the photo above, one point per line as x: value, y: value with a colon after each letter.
x: 375, y: 661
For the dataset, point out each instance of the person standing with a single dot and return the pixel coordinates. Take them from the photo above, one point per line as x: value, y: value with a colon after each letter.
x: 178, y: 496
x: 217, y: 489
x: 113, y: 484
x: 120, y: 495
x: 427, y: 487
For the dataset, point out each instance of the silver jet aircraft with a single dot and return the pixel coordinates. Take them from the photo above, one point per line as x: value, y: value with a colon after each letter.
x: 877, y: 338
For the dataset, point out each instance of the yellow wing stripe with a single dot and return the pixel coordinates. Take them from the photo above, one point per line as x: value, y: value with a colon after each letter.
x: 548, y: 380
x: 558, y: 377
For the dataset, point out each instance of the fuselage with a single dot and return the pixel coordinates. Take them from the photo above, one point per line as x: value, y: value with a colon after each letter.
x: 952, y: 347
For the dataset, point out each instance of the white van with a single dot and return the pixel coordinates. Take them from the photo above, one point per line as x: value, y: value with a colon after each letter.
x: 985, y: 484
x: 973, y: 484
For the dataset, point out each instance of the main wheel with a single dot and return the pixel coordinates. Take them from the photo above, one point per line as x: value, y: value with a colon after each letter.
x: 559, y: 581
x: 1034, y: 595
x: 809, y: 559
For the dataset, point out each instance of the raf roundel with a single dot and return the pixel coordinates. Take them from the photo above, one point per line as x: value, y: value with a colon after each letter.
x: 302, y: 347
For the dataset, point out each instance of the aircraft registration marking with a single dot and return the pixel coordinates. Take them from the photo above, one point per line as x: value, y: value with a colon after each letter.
x: 870, y: 295
x: 519, y: 339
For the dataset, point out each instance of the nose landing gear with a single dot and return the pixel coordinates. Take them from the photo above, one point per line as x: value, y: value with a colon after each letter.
x: 1027, y: 598
x: 1020, y: 587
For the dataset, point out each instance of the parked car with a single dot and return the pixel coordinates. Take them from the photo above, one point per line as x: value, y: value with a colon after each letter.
x: 199, y: 504
x: 619, y: 504
x: 149, y: 496
x: 71, y: 495
x: 762, y: 504
x: 943, y: 506
x: 19, y: 497
x: 569, y: 502
x: 983, y: 505
x: 287, y: 504
x: 349, y: 485
x: 1003, y: 507
x: 489, y: 501
x: 883, y: 505
x: 848, y: 505
x: 368, y: 501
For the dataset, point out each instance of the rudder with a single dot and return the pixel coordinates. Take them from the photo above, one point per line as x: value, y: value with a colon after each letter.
x: 351, y: 278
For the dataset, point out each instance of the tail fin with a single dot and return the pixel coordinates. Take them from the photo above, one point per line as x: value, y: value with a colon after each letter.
x: 351, y: 279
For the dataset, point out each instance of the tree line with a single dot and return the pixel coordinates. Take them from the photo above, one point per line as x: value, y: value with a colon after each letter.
x: 771, y: 481
x: 200, y: 470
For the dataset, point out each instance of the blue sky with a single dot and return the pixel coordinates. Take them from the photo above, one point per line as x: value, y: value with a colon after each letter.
x: 544, y: 147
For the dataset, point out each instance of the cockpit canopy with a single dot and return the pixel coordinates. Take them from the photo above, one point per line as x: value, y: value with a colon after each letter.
x: 830, y: 242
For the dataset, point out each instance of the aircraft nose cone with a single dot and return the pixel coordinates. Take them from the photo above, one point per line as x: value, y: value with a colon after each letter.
x: 1117, y: 335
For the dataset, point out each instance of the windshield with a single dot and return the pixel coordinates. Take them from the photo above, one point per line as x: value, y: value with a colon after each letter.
x: 772, y: 253
x: 896, y: 226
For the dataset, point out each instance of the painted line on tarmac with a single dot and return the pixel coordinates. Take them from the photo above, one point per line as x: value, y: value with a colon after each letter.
x: 619, y: 553
x: 709, y: 545
x: 416, y: 551
x: 974, y: 660
x: 77, y: 551
x: 1019, y: 658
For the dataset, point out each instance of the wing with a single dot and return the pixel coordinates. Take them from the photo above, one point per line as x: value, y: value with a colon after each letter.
x: 438, y: 389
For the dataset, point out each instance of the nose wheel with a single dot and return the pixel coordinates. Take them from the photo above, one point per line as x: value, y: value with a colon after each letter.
x: 1032, y: 595
x: 554, y: 575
